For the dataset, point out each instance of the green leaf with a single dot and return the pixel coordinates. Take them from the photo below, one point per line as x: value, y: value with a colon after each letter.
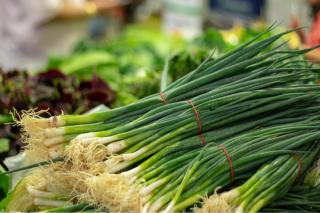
x: 4, y: 145
x: 3, y: 204
x: 5, y: 119
x: 5, y: 181
x: 89, y: 60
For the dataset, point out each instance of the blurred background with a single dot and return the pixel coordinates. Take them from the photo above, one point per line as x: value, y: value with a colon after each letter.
x: 33, y: 30
x: 72, y: 56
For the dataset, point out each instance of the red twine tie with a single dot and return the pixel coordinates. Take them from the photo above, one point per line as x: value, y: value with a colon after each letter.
x: 203, y: 141
x: 163, y: 98
x: 299, y: 166
x: 197, y: 117
x: 225, y: 152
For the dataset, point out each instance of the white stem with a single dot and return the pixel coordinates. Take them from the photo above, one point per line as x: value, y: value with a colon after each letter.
x: 131, y: 173
x: 239, y: 210
x: 131, y: 156
x: 53, y: 132
x: 156, y: 206
x: 230, y: 196
x: 132, y: 180
x: 107, y: 140
x: 147, y: 190
x: 169, y: 209
x: 48, y: 202
x: 87, y: 141
x: 116, y: 146
x: 53, y: 141
x: 94, y: 139
x: 145, y: 208
x: 117, y: 167
x: 42, y: 194
x: 145, y: 199
x: 85, y: 135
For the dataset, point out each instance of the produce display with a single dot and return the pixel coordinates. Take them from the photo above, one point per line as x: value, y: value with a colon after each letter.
x: 114, y: 73
x: 239, y: 133
x: 51, y: 91
x: 130, y: 63
x: 133, y: 62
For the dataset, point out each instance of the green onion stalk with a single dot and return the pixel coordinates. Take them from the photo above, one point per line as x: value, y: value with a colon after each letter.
x: 272, y: 181
x: 216, y: 119
x: 182, y: 148
x: 187, y: 147
x: 148, y: 156
x: 248, y: 62
x: 299, y: 199
x: 223, y: 116
x: 187, y: 170
x: 215, y: 114
x: 179, y: 112
x: 245, y: 51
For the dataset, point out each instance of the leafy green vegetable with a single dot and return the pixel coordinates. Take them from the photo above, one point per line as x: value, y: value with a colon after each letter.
x: 79, y: 62
x: 4, y: 186
x: 210, y: 38
x: 5, y: 119
x: 4, y: 145
x: 50, y: 90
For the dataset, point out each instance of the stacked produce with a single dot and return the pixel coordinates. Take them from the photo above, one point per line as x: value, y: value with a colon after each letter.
x: 250, y: 113
x: 130, y: 65
x: 270, y: 182
x: 299, y: 199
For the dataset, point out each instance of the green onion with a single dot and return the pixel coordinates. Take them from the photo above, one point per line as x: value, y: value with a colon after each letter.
x: 270, y: 182
x: 256, y: 106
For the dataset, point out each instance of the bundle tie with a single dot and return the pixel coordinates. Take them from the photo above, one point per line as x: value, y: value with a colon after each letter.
x: 163, y: 98
x: 197, y: 117
x: 296, y: 157
x: 225, y: 152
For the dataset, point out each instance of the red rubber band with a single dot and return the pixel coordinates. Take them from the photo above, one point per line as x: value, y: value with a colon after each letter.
x: 196, y: 115
x: 163, y: 98
x: 299, y: 166
x: 225, y: 152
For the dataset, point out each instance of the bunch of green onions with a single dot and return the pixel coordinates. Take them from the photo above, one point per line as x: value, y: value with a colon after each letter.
x: 217, y: 125
x: 163, y: 173
x: 246, y: 68
x: 299, y: 199
x: 270, y: 182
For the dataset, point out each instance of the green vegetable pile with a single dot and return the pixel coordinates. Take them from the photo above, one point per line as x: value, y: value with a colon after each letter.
x: 133, y: 62
x: 239, y: 133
